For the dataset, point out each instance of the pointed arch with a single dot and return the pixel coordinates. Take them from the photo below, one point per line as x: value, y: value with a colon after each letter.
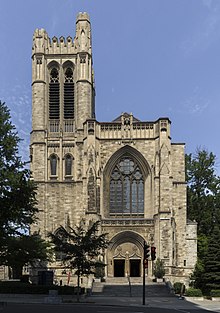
x: 68, y: 90
x: 126, y: 236
x: 124, y: 179
x: 53, y: 164
x: 54, y: 90
x: 145, y: 168
x: 68, y: 160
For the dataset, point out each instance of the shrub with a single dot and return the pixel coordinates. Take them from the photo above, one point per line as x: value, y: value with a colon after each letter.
x: 215, y: 293
x: 177, y: 287
x: 192, y: 292
x: 159, y: 270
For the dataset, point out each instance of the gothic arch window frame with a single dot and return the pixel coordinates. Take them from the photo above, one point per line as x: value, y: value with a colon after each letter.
x: 126, y: 194
x: 68, y: 168
x: 59, y: 256
x: 53, y: 166
x: 54, y: 103
x: 68, y: 83
x: 148, y: 210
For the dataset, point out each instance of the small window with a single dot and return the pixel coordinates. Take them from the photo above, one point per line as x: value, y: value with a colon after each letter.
x: 59, y: 255
x: 68, y: 165
x: 53, y: 165
x: 184, y: 262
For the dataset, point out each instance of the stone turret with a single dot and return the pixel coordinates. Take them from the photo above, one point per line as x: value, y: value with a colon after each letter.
x: 85, y: 82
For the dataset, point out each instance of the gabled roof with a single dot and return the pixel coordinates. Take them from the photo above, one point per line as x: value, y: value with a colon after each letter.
x: 125, y: 114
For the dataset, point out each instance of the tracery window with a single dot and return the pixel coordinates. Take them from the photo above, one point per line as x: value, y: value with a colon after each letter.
x: 53, y: 165
x: 68, y: 165
x: 127, y: 188
x: 54, y: 94
x: 68, y: 94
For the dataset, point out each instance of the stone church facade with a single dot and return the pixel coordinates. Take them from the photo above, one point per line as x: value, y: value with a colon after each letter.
x: 126, y: 173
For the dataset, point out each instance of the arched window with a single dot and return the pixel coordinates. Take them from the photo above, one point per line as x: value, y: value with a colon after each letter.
x: 126, y: 188
x: 60, y: 233
x: 53, y: 165
x: 68, y: 94
x: 68, y: 165
x: 54, y: 94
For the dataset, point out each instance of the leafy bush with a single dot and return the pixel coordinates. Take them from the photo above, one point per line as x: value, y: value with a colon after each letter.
x: 215, y: 293
x: 177, y: 287
x: 159, y: 270
x: 192, y: 292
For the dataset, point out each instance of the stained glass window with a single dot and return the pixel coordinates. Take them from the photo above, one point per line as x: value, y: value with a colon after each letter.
x: 126, y: 188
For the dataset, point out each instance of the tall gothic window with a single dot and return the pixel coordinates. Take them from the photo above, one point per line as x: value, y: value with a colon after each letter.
x: 68, y: 94
x: 53, y: 165
x: 126, y: 188
x: 68, y: 165
x: 54, y: 94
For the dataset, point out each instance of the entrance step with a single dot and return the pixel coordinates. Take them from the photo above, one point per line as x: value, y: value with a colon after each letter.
x: 124, y: 280
x: 119, y: 287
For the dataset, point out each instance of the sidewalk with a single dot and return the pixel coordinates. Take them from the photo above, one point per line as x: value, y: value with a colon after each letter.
x: 160, y: 302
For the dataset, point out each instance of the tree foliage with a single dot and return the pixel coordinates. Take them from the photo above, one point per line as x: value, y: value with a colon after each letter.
x: 22, y: 250
x: 203, y: 206
x: 211, y: 274
x: 81, y: 247
x: 18, y: 204
x: 203, y: 192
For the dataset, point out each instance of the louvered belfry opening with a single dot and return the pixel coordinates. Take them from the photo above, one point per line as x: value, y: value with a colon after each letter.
x: 68, y: 94
x: 54, y: 95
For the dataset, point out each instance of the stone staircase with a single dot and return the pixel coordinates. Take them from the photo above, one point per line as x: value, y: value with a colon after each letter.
x: 119, y: 287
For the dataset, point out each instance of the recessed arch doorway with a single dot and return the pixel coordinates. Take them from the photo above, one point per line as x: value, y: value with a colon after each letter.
x: 125, y: 255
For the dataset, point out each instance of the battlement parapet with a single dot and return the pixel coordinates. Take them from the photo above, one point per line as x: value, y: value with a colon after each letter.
x: 43, y: 44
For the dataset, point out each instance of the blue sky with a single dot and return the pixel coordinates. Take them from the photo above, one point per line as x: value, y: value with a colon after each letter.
x: 153, y: 58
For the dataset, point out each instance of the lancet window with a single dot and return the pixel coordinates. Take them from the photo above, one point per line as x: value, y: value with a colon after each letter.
x: 54, y: 94
x: 68, y: 165
x: 68, y: 94
x: 53, y: 165
x: 126, y: 188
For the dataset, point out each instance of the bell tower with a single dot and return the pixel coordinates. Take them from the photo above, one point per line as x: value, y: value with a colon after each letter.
x: 63, y: 96
x: 62, y: 79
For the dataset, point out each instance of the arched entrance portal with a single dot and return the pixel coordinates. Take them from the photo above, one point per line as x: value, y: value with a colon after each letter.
x: 125, y: 255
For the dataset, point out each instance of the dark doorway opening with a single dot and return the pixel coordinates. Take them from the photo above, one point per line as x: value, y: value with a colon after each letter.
x: 135, y: 268
x: 119, y: 268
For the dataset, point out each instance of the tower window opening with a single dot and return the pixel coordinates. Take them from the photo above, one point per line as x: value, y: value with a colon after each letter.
x: 68, y: 165
x: 127, y: 188
x: 68, y: 94
x: 54, y: 95
x: 53, y: 165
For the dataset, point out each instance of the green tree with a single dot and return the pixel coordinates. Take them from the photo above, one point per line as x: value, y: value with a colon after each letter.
x: 203, y: 206
x: 81, y: 247
x: 24, y: 250
x: 18, y: 204
x: 203, y: 191
x: 211, y: 274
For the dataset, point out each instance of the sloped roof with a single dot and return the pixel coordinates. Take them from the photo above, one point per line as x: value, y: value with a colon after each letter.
x: 125, y: 114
